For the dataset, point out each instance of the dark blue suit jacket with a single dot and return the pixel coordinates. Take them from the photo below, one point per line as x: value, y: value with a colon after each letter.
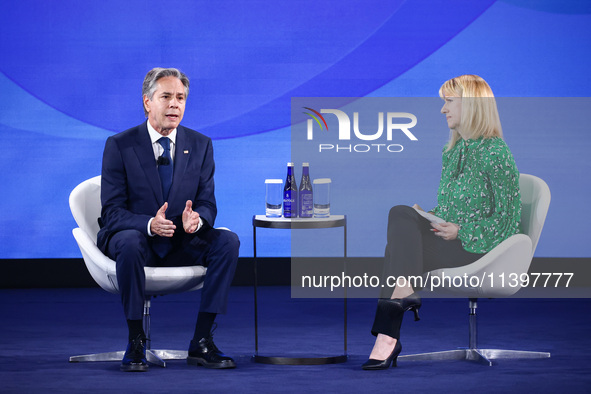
x: 131, y: 192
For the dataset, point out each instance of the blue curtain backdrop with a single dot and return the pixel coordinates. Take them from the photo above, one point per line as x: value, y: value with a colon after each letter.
x: 71, y: 73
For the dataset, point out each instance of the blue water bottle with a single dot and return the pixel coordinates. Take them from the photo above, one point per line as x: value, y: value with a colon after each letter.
x: 290, y: 194
x: 305, y: 198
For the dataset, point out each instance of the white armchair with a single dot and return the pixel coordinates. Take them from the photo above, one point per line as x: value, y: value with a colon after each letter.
x: 509, y: 259
x: 85, y: 204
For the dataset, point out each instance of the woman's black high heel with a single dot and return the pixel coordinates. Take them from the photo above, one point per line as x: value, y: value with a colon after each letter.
x: 389, y: 314
x: 387, y: 321
x: 372, y: 364
x: 411, y: 303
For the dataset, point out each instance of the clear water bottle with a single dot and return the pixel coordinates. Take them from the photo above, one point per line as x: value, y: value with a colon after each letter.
x: 306, y: 199
x: 290, y: 194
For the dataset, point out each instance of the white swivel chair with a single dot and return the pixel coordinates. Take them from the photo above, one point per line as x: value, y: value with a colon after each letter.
x: 85, y: 204
x: 507, y: 261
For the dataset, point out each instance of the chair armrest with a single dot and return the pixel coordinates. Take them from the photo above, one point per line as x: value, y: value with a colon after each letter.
x: 101, y: 268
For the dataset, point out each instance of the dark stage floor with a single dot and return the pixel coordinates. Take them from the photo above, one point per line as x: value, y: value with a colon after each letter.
x: 41, y: 328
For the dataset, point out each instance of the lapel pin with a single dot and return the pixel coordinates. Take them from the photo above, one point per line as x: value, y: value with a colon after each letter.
x: 186, y: 152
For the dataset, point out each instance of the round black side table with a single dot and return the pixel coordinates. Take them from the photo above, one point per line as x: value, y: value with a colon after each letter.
x: 296, y: 223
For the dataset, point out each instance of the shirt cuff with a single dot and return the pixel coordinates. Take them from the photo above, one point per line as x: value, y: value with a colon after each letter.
x: 199, y: 225
x: 149, y: 224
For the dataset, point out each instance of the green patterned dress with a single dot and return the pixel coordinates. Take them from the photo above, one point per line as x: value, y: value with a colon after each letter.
x: 479, y: 191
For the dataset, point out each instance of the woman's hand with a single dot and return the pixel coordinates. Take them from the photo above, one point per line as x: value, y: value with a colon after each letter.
x: 447, y: 231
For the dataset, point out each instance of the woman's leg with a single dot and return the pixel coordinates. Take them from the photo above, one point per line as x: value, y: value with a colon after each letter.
x: 403, y: 258
x: 412, y: 250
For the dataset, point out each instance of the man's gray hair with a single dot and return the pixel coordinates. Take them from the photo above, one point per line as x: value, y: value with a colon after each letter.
x: 150, y: 81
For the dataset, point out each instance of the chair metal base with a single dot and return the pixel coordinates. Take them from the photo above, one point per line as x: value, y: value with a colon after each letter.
x: 473, y: 353
x: 154, y: 356
x: 483, y: 356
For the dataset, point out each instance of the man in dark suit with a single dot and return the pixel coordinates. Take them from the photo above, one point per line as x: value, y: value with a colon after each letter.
x: 158, y: 208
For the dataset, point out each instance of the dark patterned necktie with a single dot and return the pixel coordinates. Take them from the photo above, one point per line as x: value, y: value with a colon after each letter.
x: 165, y: 167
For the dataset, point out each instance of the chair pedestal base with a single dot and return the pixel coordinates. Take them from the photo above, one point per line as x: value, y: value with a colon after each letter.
x: 154, y: 356
x: 483, y: 356
x: 472, y: 352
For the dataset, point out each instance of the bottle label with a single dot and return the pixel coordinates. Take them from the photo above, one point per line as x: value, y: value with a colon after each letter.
x: 288, y: 205
x: 306, y: 205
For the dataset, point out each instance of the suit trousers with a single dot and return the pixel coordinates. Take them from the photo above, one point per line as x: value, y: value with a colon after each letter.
x: 213, y: 248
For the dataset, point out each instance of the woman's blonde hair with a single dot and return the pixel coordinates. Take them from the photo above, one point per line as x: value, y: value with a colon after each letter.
x: 480, y: 116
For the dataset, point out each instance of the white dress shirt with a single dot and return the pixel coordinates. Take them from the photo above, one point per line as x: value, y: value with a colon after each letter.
x: 158, y: 149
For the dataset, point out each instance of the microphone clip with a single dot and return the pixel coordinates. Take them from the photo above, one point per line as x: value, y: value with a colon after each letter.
x: 163, y: 161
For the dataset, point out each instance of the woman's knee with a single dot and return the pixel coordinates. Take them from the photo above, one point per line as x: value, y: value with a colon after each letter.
x: 400, y: 211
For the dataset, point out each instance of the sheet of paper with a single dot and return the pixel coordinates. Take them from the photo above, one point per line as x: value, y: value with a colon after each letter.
x: 430, y: 217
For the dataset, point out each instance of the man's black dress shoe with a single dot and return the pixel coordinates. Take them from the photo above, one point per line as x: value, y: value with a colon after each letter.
x: 134, y: 359
x: 205, y: 353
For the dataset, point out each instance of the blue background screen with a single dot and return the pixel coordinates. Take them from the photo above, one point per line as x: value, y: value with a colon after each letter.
x: 71, y: 73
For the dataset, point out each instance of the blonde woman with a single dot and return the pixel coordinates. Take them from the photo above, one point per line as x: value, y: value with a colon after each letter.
x: 478, y: 200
